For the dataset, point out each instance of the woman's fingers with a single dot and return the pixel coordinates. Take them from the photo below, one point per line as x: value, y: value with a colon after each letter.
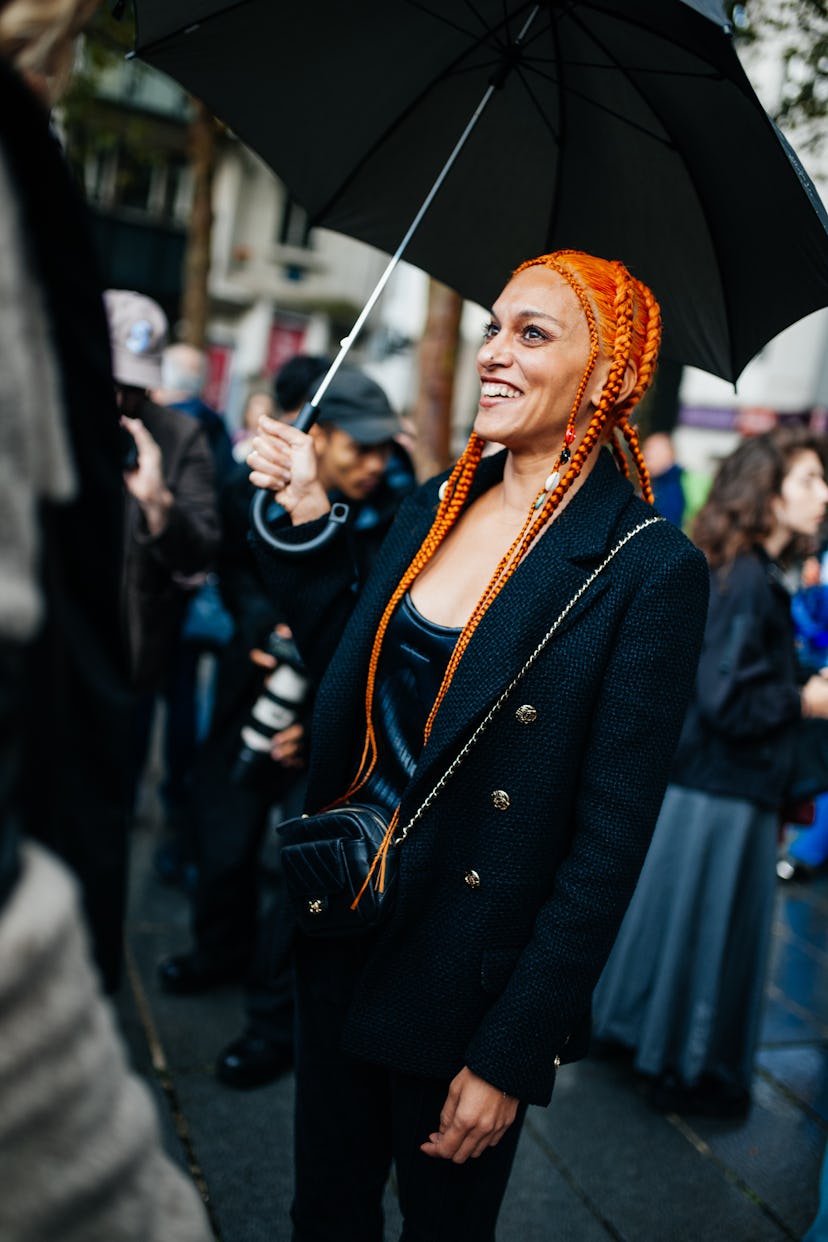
x: 475, y: 1116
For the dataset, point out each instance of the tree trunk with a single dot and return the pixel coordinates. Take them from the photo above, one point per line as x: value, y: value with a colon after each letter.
x: 438, y: 358
x: 195, y: 297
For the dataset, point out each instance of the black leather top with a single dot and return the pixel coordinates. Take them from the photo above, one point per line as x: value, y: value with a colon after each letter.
x: 413, y: 660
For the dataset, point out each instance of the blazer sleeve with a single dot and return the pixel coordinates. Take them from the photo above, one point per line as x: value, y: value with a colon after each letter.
x: 621, y: 783
x: 742, y: 691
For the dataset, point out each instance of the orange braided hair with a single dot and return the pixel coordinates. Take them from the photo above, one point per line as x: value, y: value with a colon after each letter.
x: 624, y: 323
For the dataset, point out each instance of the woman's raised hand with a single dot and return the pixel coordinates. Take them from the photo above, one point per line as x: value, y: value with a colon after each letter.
x: 283, y: 460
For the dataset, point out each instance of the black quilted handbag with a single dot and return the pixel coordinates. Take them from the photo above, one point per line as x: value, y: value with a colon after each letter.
x: 325, y: 860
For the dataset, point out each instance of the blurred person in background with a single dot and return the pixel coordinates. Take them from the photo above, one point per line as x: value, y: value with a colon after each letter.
x: 230, y: 816
x: 186, y: 694
x: 805, y: 853
x: 354, y: 446
x: 183, y: 376
x: 172, y: 524
x: 666, y: 475
x: 80, y: 1150
x: 259, y: 402
x: 172, y: 527
x: 684, y: 984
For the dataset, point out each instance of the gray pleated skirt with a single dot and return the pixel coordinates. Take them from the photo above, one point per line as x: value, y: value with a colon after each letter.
x: 684, y: 983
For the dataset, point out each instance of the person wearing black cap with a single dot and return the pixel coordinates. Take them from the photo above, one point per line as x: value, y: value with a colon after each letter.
x: 354, y: 435
x: 354, y: 443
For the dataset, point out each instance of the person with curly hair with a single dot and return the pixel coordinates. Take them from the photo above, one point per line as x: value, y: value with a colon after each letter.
x: 684, y: 984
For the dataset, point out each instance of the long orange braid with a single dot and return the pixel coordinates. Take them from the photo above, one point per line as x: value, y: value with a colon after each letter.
x: 624, y: 323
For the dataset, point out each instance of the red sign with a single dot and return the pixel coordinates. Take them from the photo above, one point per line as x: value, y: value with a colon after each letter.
x: 286, y: 339
x: 216, y: 387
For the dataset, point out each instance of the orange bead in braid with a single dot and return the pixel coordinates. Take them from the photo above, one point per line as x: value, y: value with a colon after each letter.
x: 624, y: 323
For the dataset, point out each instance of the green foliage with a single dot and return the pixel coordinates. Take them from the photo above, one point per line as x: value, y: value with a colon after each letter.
x: 89, y: 126
x: 796, y: 32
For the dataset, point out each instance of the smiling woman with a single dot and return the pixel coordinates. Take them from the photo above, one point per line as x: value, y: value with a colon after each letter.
x: 529, y: 618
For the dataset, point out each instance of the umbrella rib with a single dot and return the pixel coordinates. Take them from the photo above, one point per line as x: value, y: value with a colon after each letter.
x: 417, y: 4
x: 722, y: 284
x: 576, y: 94
x: 539, y: 109
x: 479, y: 16
x: 712, y: 75
x: 553, y: 211
x: 193, y: 25
x: 395, y: 122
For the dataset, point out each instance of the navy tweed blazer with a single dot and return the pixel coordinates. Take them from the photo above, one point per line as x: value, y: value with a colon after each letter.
x: 515, y: 881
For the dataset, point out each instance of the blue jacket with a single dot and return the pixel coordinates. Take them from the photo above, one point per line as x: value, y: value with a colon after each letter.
x: 498, y: 974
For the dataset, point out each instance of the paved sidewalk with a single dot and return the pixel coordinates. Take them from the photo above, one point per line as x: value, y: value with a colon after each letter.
x: 598, y: 1164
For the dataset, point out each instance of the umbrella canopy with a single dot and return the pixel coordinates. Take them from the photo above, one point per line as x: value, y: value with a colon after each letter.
x: 622, y: 127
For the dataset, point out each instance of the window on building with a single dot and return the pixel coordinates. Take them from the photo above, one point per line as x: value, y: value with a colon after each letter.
x: 294, y: 229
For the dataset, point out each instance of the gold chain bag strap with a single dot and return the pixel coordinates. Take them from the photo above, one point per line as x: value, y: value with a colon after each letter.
x: 328, y: 859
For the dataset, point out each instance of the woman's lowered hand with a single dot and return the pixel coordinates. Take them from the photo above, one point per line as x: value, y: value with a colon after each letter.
x: 475, y: 1116
x: 283, y: 460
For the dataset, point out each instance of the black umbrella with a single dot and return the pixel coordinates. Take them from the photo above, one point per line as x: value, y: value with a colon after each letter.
x: 623, y: 127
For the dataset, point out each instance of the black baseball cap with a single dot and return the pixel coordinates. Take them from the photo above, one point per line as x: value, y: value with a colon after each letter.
x: 358, y: 406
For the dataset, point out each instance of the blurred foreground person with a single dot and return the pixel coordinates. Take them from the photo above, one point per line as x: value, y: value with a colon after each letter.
x: 63, y: 544
x: 80, y: 1153
x: 424, y: 1040
x: 683, y: 987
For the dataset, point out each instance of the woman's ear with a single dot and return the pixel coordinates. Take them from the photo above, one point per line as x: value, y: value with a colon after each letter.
x: 599, y: 379
x: 628, y: 383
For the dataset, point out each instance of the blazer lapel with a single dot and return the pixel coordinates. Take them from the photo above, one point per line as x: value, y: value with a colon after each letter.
x: 524, y: 611
x: 518, y: 619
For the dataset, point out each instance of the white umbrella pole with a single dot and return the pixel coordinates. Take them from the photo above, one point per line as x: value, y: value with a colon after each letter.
x: 308, y: 413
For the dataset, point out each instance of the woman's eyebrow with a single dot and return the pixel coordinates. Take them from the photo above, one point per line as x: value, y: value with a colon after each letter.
x: 530, y: 313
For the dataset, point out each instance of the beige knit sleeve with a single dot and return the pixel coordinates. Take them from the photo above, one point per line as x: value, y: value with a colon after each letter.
x: 80, y: 1152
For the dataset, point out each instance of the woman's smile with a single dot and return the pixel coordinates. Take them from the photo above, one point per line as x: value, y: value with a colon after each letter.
x: 491, y: 391
x: 536, y: 348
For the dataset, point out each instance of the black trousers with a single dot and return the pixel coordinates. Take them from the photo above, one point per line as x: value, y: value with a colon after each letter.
x: 353, y: 1120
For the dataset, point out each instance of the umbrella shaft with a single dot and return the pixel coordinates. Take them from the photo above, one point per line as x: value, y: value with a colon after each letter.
x: 308, y: 414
